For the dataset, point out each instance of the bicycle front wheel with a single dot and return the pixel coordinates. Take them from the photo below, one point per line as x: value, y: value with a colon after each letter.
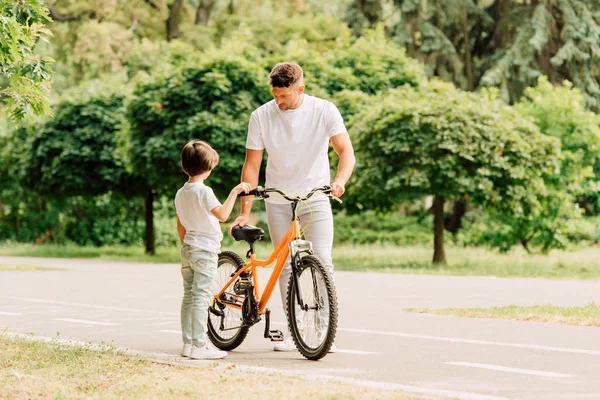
x: 312, y: 308
x: 227, y: 331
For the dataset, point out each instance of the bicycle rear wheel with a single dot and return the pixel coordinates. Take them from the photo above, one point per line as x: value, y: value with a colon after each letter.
x: 227, y: 331
x: 312, y: 308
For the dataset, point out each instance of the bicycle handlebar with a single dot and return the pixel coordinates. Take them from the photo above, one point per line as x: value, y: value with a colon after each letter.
x: 263, y: 193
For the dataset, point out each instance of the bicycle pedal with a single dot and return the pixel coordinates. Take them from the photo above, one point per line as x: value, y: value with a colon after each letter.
x: 276, y: 336
x: 216, y: 312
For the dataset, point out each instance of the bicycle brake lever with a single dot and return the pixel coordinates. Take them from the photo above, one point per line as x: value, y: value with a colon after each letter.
x: 335, y: 198
x: 256, y: 198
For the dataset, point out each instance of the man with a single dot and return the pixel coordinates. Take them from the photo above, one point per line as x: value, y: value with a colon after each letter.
x: 296, y: 130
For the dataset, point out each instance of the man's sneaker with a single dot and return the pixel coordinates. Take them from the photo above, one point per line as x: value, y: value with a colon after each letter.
x: 186, y: 350
x: 333, y: 349
x: 206, y: 353
x: 286, y: 345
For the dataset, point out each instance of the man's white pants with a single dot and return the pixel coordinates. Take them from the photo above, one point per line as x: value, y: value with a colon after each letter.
x: 319, y: 233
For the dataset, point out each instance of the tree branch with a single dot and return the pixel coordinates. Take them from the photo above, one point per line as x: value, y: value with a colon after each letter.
x: 152, y: 4
x: 56, y: 16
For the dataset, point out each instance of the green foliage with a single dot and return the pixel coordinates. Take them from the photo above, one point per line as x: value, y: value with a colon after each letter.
x: 560, y: 39
x: 448, y: 37
x: 371, y: 228
x: 212, y: 102
x: 449, y: 143
x: 75, y: 153
x: 558, y: 112
x: 369, y: 64
x: 21, y: 25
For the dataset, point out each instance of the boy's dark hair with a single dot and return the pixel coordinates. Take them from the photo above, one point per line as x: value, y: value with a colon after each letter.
x: 197, y: 157
x: 285, y: 74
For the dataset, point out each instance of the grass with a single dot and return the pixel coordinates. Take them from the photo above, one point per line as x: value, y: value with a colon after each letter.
x: 588, y: 315
x: 23, y: 268
x: 579, y: 263
x: 34, y: 369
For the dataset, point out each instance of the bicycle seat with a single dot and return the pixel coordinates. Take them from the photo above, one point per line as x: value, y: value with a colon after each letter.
x: 248, y: 233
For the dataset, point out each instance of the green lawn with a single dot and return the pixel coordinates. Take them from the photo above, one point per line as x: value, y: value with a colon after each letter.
x: 588, y: 315
x: 23, y: 268
x: 33, y: 369
x: 581, y: 263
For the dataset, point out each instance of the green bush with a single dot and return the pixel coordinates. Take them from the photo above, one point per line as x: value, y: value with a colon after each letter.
x: 370, y: 228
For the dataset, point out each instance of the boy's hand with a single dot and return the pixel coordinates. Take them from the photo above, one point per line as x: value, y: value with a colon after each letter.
x: 242, y: 187
x: 242, y: 220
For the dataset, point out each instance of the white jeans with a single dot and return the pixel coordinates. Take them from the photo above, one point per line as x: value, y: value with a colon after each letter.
x: 319, y: 233
x: 198, y: 269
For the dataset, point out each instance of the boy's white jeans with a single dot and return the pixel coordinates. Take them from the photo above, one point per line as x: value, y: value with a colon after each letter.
x: 319, y: 233
x: 198, y: 268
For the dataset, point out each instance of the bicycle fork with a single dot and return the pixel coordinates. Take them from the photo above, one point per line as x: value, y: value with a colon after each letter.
x: 297, y: 247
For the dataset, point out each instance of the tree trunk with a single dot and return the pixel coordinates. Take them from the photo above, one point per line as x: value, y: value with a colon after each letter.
x: 468, y: 58
x: 149, y: 206
x: 372, y: 10
x: 203, y: 12
x: 454, y: 222
x: 174, y: 20
x: 439, y: 254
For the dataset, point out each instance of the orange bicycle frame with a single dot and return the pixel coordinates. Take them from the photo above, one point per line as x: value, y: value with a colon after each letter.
x: 281, y: 254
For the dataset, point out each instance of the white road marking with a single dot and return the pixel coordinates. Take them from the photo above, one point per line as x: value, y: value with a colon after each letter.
x: 545, y: 374
x: 84, y: 321
x: 354, y: 330
x: 172, y: 331
x: 475, y: 341
x: 68, y: 303
x: 176, y: 359
x: 348, y: 351
x: 165, y: 323
x: 10, y: 313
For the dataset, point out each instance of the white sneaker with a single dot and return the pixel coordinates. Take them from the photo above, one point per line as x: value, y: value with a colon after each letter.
x: 286, y: 345
x: 206, y: 353
x: 333, y: 348
x: 186, y: 350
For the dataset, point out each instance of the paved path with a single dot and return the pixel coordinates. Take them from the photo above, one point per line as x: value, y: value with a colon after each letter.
x: 136, y: 305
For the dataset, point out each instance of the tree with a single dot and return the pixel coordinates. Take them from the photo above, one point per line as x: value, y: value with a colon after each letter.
x: 446, y: 143
x: 559, y: 113
x: 75, y: 153
x: 212, y: 101
x: 21, y: 26
x: 502, y: 43
x: 64, y: 176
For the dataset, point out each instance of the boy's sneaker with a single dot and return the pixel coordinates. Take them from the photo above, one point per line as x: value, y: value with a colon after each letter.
x: 186, y: 350
x: 286, y: 345
x: 206, y: 353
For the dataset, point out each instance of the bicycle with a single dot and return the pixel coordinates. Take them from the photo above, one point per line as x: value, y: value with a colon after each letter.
x: 311, y: 302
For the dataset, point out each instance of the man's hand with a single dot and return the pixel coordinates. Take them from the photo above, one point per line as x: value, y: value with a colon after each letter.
x: 242, y: 220
x: 337, y: 189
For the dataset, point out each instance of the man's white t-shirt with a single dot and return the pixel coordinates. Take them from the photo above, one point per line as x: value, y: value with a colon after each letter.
x: 297, y: 144
x: 193, y: 203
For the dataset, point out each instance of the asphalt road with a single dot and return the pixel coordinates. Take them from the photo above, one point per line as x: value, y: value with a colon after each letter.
x: 136, y: 306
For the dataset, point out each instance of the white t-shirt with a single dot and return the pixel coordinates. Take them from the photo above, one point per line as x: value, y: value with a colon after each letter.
x: 297, y: 144
x: 193, y: 203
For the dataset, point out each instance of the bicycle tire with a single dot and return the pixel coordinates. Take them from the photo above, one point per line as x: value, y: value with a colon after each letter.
x: 299, y: 331
x: 229, y: 263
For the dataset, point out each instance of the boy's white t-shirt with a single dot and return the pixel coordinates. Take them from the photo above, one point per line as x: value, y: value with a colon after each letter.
x: 193, y: 203
x: 297, y: 144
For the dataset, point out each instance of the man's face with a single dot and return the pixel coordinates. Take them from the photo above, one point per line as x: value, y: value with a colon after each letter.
x: 288, y: 98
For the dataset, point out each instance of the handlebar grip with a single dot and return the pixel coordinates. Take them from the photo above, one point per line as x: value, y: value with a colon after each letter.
x: 257, y: 191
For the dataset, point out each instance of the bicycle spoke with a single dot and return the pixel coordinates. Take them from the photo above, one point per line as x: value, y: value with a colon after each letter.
x: 226, y: 331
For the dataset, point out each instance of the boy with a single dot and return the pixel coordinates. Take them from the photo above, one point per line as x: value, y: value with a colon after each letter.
x: 198, y: 216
